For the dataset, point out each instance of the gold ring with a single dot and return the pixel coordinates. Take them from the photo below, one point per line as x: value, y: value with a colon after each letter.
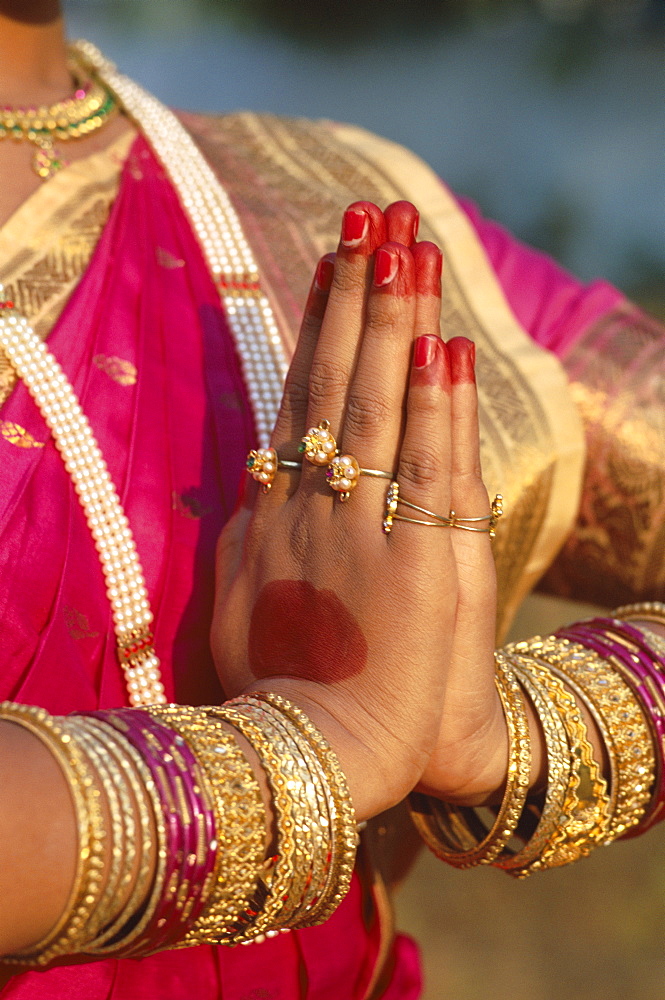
x: 262, y: 465
x: 377, y: 473
x: 342, y: 475
x: 344, y: 472
x: 318, y: 445
x: 453, y: 520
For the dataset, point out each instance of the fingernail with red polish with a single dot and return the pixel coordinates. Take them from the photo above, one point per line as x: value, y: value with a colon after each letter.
x: 416, y: 226
x: 386, y: 263
x: 462, y: 360
x: 324, y: 274
x: 424, y: 351
x: 354, y: 227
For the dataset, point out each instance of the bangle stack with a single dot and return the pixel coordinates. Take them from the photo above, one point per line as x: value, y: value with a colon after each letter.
x: 458, y: 834
x: 613, y: 670
x: 172, y: 828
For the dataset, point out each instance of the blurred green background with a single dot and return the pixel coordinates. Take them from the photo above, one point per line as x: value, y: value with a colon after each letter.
x: 551, y: 115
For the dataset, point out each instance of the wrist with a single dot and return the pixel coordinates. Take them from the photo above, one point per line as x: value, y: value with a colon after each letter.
x: 376, y: 780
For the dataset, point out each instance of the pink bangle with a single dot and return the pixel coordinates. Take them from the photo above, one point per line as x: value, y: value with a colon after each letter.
x: 189, y: 822
x: 642, y: 668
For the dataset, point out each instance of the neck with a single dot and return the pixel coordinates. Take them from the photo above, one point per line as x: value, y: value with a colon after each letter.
x: 33, y: 55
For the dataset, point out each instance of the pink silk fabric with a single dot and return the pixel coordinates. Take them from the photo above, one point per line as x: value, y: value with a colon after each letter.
x: 550, y: 304
x: 175, y: 441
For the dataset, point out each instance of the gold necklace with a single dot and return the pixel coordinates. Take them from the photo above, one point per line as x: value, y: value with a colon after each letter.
x: 88, y: 109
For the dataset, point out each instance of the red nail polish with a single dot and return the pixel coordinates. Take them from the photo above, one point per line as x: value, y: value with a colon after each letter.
x: 462, y: 360
x: 429, y: 265
x: 424, y: 351
x: 386, y: 263
x: 416, y: 227
x: 324, y: 274
x: 354, y: 227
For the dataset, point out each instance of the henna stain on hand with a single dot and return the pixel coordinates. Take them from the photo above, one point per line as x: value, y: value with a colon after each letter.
x: 299, y: 631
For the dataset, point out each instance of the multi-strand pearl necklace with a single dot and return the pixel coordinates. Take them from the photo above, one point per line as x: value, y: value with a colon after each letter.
x: 257, y: 340
x: 218, y: 230
x: 84, y: 462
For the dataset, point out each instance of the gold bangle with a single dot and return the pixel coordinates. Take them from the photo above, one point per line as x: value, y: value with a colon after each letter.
x: 650, y: 611
x: 310, y: 812
x: 112, y: 784
x: 324, y: 848
x: 240, y: 819
x: 147, y: 891
x: 584, y: 817
x: 456, y: 833
x: 136, y: 810
x: 624, y: 728
x: 345, y: 833
x: 558, y: 771
x: 267, y: 917
x: 70, y: 929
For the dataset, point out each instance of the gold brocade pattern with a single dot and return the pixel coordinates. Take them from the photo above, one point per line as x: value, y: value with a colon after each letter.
x: 47, y: 244
x: 290, y: 181
x: 121, y: 371
x: 18, y: 435
x: 616, y: 553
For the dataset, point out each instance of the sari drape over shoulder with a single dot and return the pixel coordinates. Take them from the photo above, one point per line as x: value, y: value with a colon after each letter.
x: 145, y: 343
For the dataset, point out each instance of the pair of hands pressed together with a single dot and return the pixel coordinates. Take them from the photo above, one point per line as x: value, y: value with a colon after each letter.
x: 386, y: 641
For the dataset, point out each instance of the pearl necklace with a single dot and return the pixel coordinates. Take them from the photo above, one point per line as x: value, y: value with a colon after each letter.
x: 218, y: 230
x: 257, y: 341
x: 48, y: 385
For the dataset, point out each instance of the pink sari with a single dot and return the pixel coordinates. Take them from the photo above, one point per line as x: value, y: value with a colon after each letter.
x: 175, y: 439
x: 551, y: 305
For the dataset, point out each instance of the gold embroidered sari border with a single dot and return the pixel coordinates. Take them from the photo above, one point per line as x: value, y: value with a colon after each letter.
x: 46, y: 245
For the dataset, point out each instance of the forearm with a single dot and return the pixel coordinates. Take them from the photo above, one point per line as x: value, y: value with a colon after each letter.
x: 203, y: 816
x: 38, y: 839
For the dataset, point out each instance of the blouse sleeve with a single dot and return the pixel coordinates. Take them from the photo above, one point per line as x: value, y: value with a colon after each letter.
x: 614, y: 355
x: 549, y: 302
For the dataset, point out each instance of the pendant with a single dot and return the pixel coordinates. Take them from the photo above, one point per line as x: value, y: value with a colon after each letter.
x: 47, y: 161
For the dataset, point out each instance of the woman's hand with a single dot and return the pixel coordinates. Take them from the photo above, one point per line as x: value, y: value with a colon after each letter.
x: 370, y: 633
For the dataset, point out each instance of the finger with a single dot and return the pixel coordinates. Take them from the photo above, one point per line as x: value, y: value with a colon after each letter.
x: 269, y: 468
x: 333, y: 363
x: 375, y: 406
x: 429, y: 265
x: 424, y: 471
x: 402, y: 222
x: 293, y: 410
x: 473, y: 553
x: 468, y: 493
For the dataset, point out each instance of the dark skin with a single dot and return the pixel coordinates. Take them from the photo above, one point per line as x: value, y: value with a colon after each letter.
x: 34, y: 71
